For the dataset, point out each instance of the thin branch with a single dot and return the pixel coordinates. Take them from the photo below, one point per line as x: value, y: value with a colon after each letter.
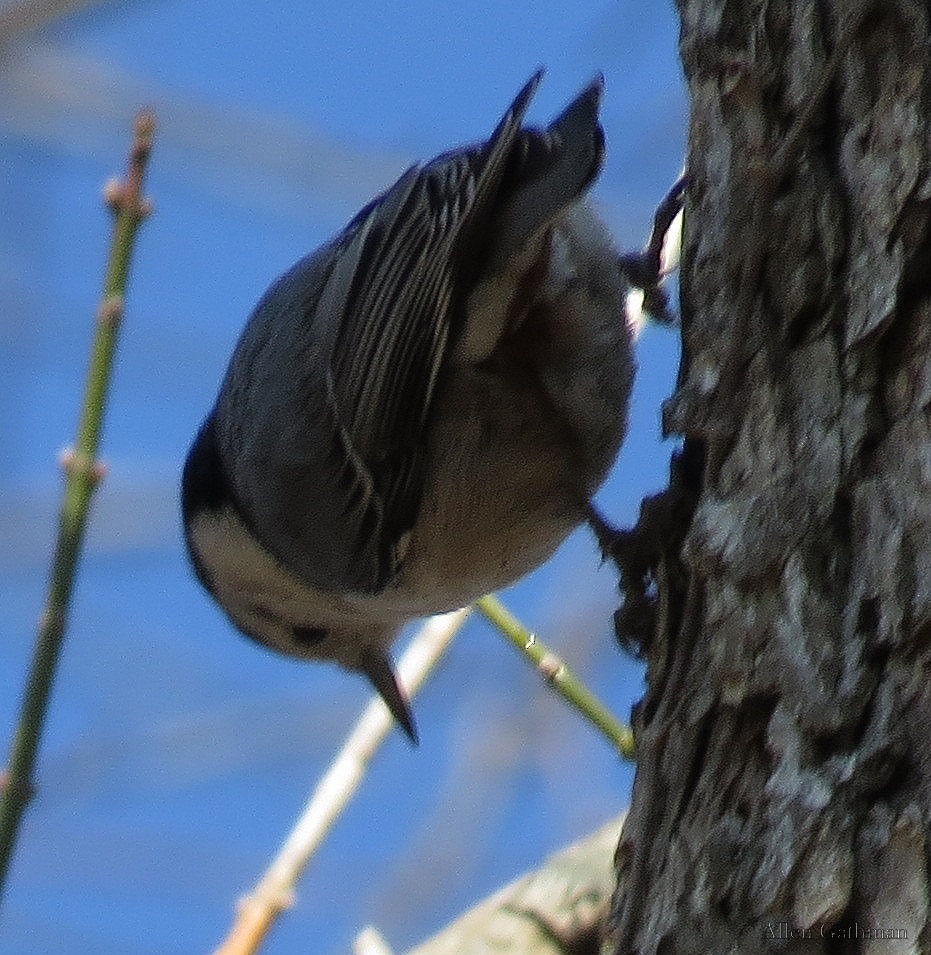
x: 83, y: 472
x: 275, y: 891
x: 558, y: 675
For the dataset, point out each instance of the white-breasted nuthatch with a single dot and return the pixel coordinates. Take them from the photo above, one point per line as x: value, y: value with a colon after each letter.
x: 418, y: 412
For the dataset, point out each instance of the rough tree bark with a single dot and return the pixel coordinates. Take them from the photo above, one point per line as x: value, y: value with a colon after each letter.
x: 783, y: 792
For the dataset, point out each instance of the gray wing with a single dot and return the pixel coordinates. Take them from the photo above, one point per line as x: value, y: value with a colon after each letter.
x: 323, y: 414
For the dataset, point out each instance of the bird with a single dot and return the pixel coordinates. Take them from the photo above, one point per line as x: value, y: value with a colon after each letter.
x: 419, y: 412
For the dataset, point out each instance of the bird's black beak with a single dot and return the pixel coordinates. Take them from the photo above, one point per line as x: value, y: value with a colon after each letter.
x: 377, y: 667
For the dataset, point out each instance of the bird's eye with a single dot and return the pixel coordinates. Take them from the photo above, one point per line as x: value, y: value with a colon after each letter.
x: 309, y: 636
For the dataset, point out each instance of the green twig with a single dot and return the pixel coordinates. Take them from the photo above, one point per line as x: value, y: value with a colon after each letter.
x: 558, y: 675
x: 83, y: 472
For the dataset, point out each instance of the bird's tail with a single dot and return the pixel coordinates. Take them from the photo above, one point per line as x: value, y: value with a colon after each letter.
x: 549, y: 169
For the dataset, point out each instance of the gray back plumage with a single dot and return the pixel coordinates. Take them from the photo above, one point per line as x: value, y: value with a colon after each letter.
x: 322, y: 417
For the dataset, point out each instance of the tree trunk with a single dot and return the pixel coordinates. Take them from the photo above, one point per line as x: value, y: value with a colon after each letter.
x: 783, y: 791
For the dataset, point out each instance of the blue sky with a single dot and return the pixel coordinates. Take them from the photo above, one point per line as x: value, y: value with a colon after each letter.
x: 177, y: 753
